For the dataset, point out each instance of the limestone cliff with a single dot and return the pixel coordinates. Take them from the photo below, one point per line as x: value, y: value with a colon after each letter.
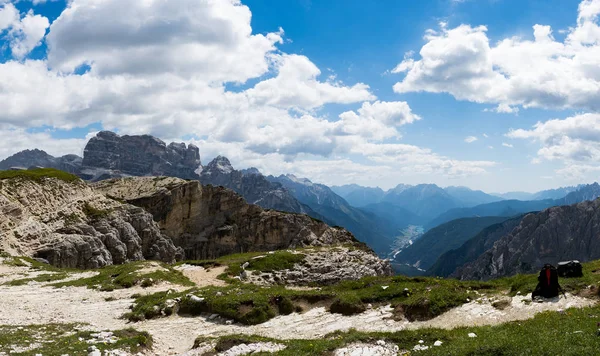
x: 71, y: 225
x: 108, y: 155
x: 209, y: 221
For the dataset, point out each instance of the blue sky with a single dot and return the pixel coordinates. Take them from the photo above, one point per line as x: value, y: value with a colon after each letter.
x: 316, y: 88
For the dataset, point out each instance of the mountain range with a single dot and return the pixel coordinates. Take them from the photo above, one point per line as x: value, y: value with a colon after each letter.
x: 463, y: 224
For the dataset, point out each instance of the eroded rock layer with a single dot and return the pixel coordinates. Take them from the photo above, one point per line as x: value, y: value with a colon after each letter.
x: 209, y: 222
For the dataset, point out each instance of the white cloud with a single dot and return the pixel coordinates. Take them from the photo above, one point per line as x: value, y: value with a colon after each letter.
x: 491, y: 147
x: 18, y: 140
x: 378, y: 120
x: 296, y: 86
x: 542, y: 72
x: 24, y: 34
x: 485, y: 135
x: 507, y: 145
x: 470, y: 139
x: 574, y: 139
x: 163, y: 69
x: 9, y: 16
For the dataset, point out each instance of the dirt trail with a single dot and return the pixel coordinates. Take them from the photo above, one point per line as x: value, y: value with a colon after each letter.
x: 36, y: 304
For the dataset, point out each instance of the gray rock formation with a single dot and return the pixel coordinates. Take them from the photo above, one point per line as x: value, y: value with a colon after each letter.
x: 70, y: 225
x: 209, y: 221
x: 555, y: 234
x: 109, y: 155
x: 255, y: 188
x: 37, y: 158
x: 328, y: 266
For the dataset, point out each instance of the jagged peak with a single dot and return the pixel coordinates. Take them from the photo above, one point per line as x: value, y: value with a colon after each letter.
x: 220, y: 164
x: 303, y: 181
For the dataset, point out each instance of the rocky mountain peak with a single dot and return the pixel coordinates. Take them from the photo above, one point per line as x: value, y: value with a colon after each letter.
x: 303, y: 181
x: 39, y: 158
x: 219, y: 164
x: 110, y: 154
x: 251, y: 171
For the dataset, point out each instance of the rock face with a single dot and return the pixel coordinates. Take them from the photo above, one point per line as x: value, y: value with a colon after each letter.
x: 71, y: 225
x: 209, y: 221
x: 253, y: 186
x: 109, y: 155
x: 37, y: 158
x: 560, y: 233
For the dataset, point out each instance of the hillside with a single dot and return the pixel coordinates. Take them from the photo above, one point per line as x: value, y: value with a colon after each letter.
x: 424, y: 252
x: 448, y: 262
x: 505, y: 208
x: 514, y: 207
x: 555, y: 234
x: 376, y: 230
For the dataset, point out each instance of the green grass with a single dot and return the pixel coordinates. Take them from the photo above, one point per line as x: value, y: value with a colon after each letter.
x: 16, y: 261
x: 60, y: 339
x: 41, y: 278
x: 94, y: 213
x: 573, y: 332
x: 126, y: 276
x: 38, y: 174
x: 420, y: 298
x: 251, y: 304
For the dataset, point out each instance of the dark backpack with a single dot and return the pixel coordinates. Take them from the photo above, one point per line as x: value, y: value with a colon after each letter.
x: 547, y: 286
x: 570, y: 269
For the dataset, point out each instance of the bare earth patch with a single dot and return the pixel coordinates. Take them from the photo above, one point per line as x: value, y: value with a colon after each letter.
x: 201, y: 276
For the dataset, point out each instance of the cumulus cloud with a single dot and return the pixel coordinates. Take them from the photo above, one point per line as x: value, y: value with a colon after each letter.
x: 540, y: 72
x: 24, y: 34
x: 507, y: 145
x: 470, y: 139
x: 163, y: 69
x: 574, y: 139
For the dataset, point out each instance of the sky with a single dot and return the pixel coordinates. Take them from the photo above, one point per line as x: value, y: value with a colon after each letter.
x: 497, y: 95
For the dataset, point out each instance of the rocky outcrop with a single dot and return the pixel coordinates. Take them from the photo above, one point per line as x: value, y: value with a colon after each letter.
x: 253, y: 186
x: 71, y: 225
x: 326, y: 267
x: 560, y: 233
x: 209, y: 221
x: 38, y: 158
x: 109, y: 155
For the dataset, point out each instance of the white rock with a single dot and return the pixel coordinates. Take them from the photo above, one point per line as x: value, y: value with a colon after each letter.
x: 380, y: 342
x: 472, y: 335
x: 421, y: 341
x: 420, y: 348
x: 384, y: 287
x: 195, y: 299
x: 437, y: 343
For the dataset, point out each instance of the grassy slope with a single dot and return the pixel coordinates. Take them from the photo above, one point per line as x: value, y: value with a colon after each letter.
x: 38, y: 174
x: 108, y: 278
x: 60, y: 339
x: 572, y: 332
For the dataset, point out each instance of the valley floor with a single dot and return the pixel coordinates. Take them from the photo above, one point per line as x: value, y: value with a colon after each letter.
x: 36, y: 303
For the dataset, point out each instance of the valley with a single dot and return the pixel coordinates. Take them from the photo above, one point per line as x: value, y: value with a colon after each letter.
x: 232, y: 262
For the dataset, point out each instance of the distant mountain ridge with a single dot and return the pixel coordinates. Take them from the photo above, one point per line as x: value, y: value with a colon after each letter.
x: 424, y: 252
x: 376, y: 231
x: 514, y: 207
x: 448, y: 263
x: 555, y: 234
